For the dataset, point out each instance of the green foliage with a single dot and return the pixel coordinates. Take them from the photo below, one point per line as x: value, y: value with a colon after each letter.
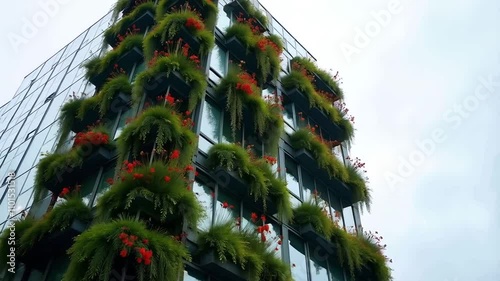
x: 161, y: 125
x: 168, y: 29
x: 58, y: 219
x: 98, y: 65
x: 165, y: 66
x: 311, y: 67
x: 69, y: 111
x: 209, y: 12
x: 303, y: 138
x: 121, y: 27
x: 256, y: 172
x: 361, y: 192
x: 268, y: 59
x: 102, y: 102
x: 267, y: 119
x: 253, y: 12
x: 244, y: 249
x: 121, y: 5
x: 295, y: 79
x: 167, y: 199
x: 20, y: 227
x: 96, y: 252
x: 312, y: 213
x: 54, y: 165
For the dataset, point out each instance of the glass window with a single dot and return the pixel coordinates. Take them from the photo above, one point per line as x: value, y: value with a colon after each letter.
x: 190, y: 275
x: 122, y: 122
x: 218, y: 63
x: 350, y: 226
x: 336, y: 273
x: 227, y: 132
x: 223, y: 20
x: 227, y: 208
x: 58, y: 268
x: 138, y: 69
x: 307, y: 185
x: 288, y: 118
x: 210, y: 121
x: 103, y: 183
x: 336, y: 209
x: 292, y: 176
x: 205, y: 196
x: 87, y: 188
x: 318, y: 266
x: 298, y: 259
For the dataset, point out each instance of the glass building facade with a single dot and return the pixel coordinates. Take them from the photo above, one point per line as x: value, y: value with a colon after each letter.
x: 29, y: 128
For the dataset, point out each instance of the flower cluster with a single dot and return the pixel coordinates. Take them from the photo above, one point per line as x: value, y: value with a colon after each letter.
x: 129, y: 241
x: 170, y: 47
x: 167, y: 98
x: 313, y: 129
x: 253, y: 23
x: 194, y: 23
x: 68, y: 189
x: 269, y: 159
x: 130, y: 31
x: 94, y: 138
x: 342, y: 107
x: 264, y: 42
x: 247, y: 83
x: 376, y: 238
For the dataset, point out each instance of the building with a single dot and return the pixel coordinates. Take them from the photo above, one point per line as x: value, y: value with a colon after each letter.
x: 128, y: 85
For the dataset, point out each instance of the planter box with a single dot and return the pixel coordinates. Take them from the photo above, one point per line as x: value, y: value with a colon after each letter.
x: 235, y: 8
x: 121, y: 102
x: 322, y: 86
x: 306, y: 159
x: 126, y: 61
x: 187, y: 37
x: 221, y: 270
x: 69, y: 176
x: 302, y: 102
x: 231, y: 181
x: 240, y: 51
x: 318, y: 244
x: 142, y: 22
x: 159, y: 85
x: 53, y: 244
x: 196, y: 4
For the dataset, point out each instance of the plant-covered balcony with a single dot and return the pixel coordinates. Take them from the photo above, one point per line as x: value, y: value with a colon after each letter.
x: 160, y: 191
x: 319, y: 105
x: 123, y: 248
x: 246, y: 107
x: 54, y: 233
x: 136, y: 22
x: 206, y: 8
x: 174, y: 72
x: 158, y: 129
x: 91, y: 149
x: 184, y: 24
x: 79, y: 113
x: 245, y: 9
x: 241, y: 173
x: 316, y: 154
x: 118, y: 61
x: 323, y: 81
x: 128, y: 6
x: 233, y: 254
x: 259, y: 54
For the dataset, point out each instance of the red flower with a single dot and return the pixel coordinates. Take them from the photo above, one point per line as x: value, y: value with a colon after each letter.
x: 64, y: 192
x: 138, y: 176
x: 266, y: 227
x: 260, y: 229
x: 175, y: 154
x: 263, y: 218
x: 145, y: 241
x: 110, y: 181
x: 263, y: 237
x: 152, y: 170
x: 123, y: 253
x: 167, y: 179
x: 225, y: 205
x: 189, y: 168
x: 194, y: 23
x: 170, y: 100
x: 254, y: 217
x: 139, y: 260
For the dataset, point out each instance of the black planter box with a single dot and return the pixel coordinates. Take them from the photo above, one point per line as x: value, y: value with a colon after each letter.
x: 159, y: 85
x: 231, y: 181
x: 322, y: 86
x: 235, y: 8
x: 221, y: 270
x: 240, y: 51
x: 306, y: 159
x: 196, y: 4
x: 69, y: 176
x: 121, y: 102
x: 126, y: 61
x: 142, y: 22
x: 319, y: 246
x: 324, y: 122
x: 54, y: 244
x: 187, y: 37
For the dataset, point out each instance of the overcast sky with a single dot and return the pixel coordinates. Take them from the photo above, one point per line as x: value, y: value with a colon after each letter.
x: 422, y: 80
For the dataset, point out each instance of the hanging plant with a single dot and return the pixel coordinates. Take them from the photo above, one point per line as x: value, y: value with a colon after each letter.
x: 312, y: 213
x: 332, y: 81
x: 166, y: 188
x: 163, y: 64
x: 170, y: 27
x: 163, y: 127
x: 126, y: 247
x: 125, y: 27
x: 58, y: 219
x: 207, y: 8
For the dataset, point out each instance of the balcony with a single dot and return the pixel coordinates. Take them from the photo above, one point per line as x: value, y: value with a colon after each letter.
x: 236, y: 9
x: 318, y: 244
x: 142, y: 22
x: 221, y: 270
x: 159, y: 85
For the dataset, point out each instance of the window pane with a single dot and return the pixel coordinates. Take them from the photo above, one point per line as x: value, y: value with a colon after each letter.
x: 292, y: 176
x: 336, y: 273
x: 227, y: 208
x: 205, y: 196
x: 87, y: 188
x: 204, y: 145
x: 223, y: 21
x: 336, y: 210
x: 318, y: 268
x: 190, y: 275
x: 349, y: 219
x: 210, y: 121
x: 122, y: 122
x: 103, y: 183
x: 307, y: 185
x: 298, y: 259
x: 218, y: 60
x: 58, y: 268
x: 138, y: 69
x: 227, y: 132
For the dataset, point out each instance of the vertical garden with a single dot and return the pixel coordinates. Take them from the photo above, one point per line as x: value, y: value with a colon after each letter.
x: 139, y: 134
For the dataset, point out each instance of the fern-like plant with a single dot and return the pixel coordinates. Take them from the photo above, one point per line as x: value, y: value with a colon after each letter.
x: 311, y: 67
x: 208, y: 12
x: 163, y: 186
x: 161, y: 126
x: 19, y: 227
x: 311, y: 212
x: 58, y: 219
x: 151, y: 255
x: 121, y: 27
x: 169, y: 27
